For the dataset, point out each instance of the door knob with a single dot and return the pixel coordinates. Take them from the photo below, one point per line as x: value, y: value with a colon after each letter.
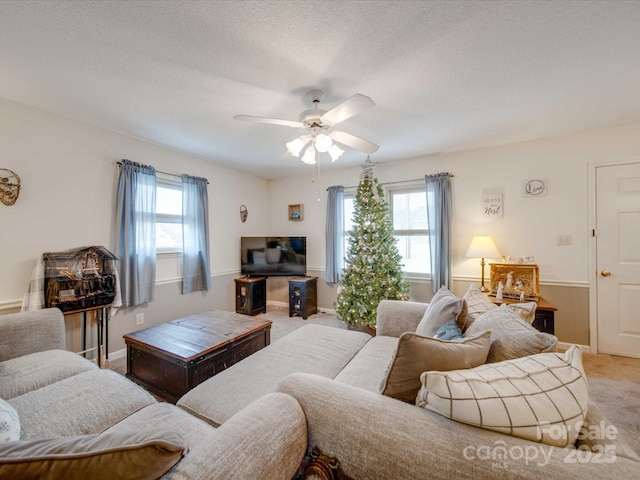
x: 605, y: 273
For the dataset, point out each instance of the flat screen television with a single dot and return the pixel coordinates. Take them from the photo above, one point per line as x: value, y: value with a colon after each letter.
x: 272, y: 256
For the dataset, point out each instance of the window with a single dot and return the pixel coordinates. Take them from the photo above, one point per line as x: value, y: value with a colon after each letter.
x: 168, y: 214
x: 408, y: 206
x: 349, y: 197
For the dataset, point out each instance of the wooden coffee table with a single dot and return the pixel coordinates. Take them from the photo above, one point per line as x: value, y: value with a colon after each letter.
x: 172, y: 358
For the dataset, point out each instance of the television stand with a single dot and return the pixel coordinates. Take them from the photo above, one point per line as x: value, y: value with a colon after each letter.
x: 251, y: 295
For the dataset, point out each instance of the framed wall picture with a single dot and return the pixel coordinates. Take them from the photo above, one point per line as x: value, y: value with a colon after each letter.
x: 518, y: 281
x: 492, y: 202
x: 296, y: 212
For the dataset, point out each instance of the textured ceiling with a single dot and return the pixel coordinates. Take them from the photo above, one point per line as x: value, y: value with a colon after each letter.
x: 445, y: 75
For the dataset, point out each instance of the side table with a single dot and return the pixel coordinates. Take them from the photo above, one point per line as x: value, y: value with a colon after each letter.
x: 251, y: 295
x: 303, y: 296
x: 545, y: 313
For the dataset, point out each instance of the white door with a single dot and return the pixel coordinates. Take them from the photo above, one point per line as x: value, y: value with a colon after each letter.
x: 618, y: 259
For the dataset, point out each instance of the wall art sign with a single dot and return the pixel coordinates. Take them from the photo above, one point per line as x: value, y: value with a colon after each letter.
x: 492, y: 205
x: 534, y: 187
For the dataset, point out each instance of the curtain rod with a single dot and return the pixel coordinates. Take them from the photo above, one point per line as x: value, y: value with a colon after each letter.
x: 407, y: 181
x: 451, y: 175
x: 159, y: 171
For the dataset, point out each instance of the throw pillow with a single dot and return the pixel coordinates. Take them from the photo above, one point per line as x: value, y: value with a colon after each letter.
x: 526, y: 311
x: 134, y: 455
x: 510, y: 336
x: 543, y: 397
x: 449, y: 331
x: 416, y: 354
x: 443, y: 307
x: 9, y: 422
x: 476, y: 304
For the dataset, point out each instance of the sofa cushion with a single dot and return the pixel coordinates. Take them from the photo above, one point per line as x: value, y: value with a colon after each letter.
x: 84, y: 404
x: 265, y: 440
x: 542, y: 398
x: 268, y: 436
x: 369, y: 367
x: 167, y: 416
x: 313, y: 349
x: 138, y: 454
x: 31, y: 331
x: 476, y: 304
x: 443, y: 307
x: 525, y: 310
x: 417, y: 354
x: 510, y: 336
x: 9, y: 422
x: 29, y: 372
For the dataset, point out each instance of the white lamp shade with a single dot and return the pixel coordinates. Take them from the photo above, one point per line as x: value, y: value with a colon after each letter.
x: 309, y: 156
x: 335, y: 152
x: 295, y: 147
x: 482, y: 246
x: 323, y: 143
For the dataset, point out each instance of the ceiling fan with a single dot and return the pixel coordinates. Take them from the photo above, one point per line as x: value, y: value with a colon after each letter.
x: 319, y: 123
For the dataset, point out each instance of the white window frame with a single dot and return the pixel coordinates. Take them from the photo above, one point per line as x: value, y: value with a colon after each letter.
x: 400, y: 188
x: 174, y: 183
x: 349, y: 193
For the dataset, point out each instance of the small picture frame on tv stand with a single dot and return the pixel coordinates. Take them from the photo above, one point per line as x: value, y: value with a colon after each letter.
x: 296, y: 212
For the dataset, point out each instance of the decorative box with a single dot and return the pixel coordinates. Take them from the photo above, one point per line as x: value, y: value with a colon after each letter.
x: 518, y: 281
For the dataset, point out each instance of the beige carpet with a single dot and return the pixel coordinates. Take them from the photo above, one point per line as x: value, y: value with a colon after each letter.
x: 283, y: 324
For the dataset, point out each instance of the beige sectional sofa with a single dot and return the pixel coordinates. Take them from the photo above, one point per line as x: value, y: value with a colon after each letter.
x: 318, y: 387
x: 78, y: 421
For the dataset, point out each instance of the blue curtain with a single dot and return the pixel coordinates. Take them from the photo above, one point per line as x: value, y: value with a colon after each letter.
x: 136, y: 232
x: 439, y: 219
x: 195, y: 235
x: 334, y: 234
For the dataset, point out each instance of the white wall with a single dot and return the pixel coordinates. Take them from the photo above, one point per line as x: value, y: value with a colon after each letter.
x: 68, y: 177
x: 530, y: 226
x: 68, y: 172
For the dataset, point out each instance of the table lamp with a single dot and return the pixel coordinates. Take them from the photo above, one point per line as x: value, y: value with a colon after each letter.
x: 482, y: 246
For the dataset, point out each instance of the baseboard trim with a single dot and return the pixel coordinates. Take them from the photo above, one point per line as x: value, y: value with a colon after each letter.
x: 563, y: 346
x: 10, y: 304
x: 274, y: 303
x: 118, y: 354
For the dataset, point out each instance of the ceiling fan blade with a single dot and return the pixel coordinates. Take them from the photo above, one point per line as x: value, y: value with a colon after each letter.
x: 274, y: 121
x: 354, y: 142
x: 347, y: 109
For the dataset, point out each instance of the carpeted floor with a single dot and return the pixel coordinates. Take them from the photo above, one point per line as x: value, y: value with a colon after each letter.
x: 283, y: 324
x: 614, y: 382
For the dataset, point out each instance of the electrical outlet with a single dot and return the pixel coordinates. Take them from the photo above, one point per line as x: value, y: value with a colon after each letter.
x: 564, y: 240
x: 139, y: 318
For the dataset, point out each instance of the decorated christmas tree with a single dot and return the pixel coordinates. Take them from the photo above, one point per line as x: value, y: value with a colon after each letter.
x: 374, y: 269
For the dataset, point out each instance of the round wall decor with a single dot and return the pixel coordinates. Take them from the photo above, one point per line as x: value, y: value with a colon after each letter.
x: 9, y: 186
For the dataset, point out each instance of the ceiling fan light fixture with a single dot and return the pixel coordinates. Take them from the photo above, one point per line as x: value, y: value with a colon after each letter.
x: 309, y: 156
x: 319, y: 123
x: 335, y: 152
x: 295, y: 147
x: 323, y: 142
